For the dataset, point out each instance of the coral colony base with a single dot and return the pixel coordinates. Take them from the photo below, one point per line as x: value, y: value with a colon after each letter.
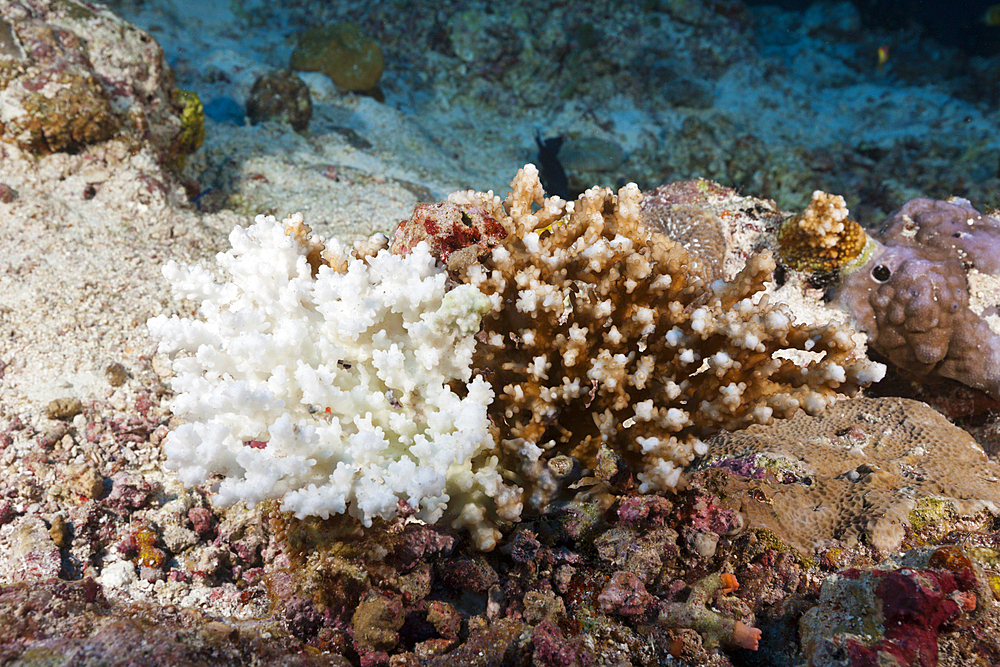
x: 365, y: 381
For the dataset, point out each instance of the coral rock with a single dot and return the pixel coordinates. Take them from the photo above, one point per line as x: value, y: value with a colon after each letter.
x: 377, y: 622
x: 625, y: 595
x: 458, y: 235
x: 890, y: 615
x: 281, y: 96
x: 75, y: 74
x: 27, y: 552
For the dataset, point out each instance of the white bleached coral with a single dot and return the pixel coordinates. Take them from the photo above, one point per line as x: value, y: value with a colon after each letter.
x: 323, y: 378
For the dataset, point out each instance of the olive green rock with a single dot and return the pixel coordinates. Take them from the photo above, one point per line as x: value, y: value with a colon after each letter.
x: 353, y: 60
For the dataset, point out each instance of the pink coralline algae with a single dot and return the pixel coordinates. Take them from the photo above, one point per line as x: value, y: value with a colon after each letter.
x: 893, y: 615
x: 457, y: 234
x: 928, y: 293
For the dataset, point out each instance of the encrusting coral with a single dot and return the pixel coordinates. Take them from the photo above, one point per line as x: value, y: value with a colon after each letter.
x: 602, y: 331
x: 858, y: 472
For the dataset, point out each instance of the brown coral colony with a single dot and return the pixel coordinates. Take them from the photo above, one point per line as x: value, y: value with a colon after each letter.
x: 604, y: 333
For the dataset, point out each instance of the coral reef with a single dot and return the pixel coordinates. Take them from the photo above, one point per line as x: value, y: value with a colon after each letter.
x: 324, y: 381
x: 400, y: 591
x: 714, y: 223
x: 928, y: 290
x: 858, y: 472
x: 602, y: 332
x: 696, y: 229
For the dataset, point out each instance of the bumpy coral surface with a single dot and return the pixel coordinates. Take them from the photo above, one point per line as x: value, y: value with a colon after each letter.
x: 858, y: 471
x: 321, y: 377
x: 927, y: 296
x: 601, y: 332
x: 715, y: 224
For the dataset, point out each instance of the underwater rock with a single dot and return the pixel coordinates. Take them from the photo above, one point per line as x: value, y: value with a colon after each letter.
x: 894, y: 613
x: 457, y: 234
x: 59, y: 622
x: 282, y: 96
x: 73, y: 74
x: 27, y: 551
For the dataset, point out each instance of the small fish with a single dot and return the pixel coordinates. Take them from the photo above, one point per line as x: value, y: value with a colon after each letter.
x: 552, y: 172
x: 883, y: 58
x: 991, y: 16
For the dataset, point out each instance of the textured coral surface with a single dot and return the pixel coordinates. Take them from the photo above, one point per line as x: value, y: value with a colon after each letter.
x: 856, y: 473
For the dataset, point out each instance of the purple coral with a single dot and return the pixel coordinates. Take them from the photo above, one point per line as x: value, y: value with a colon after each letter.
x: 920, y: 298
